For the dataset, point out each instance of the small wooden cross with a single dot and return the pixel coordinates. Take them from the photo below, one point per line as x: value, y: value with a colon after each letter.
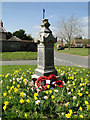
x: 43, y: 13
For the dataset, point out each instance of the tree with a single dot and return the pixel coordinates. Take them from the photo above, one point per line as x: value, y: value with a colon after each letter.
x: 21, y: 34
x: 8, y: 35
x: 69, y: 29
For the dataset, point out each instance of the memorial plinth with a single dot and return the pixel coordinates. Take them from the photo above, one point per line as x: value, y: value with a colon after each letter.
x: 45, y: 56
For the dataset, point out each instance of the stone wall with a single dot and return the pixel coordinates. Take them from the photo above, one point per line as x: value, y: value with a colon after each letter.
x: 11, y: 46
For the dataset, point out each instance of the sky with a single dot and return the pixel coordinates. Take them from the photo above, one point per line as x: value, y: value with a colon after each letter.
x: 28, y: 15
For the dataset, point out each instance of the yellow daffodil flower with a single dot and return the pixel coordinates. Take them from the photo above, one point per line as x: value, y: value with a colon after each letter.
x: 22, y: 94
x: 9, y: 97
x: 7, y: 87
x: 4, y: 107
x: 6, y: 102
x: 86, y: 102
x: 9, y: 91
x: 52, y: 97
x: 15, y: 90
x: 18, y: 86
x: 4, y: 94
x: 14, y: 82
x: 35, y: 94
x: 25, y: 115
x: 48, y: 86
x: 80, y: 108
x: 46, y: 92
x: 70, y: 111
x: 68, y: 115
x: 88, y: 107
x: 21, y: 101
x: 81, y: 116
x: 28, y: 101
x: 80, y: 94
x: 50, y: 91
x: 86, y: 92
x: 35, y: 98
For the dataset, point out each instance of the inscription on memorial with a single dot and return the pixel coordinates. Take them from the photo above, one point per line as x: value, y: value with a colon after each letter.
x: 40, y: 58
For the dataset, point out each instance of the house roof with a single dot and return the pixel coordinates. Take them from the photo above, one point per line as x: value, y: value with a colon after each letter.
x: 14, y: 38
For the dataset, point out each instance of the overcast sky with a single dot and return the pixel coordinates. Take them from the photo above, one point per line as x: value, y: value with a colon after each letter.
x: 28, y: 15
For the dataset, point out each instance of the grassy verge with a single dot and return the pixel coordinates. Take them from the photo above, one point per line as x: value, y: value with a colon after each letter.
x: 76, y: 51
x: 19, y: 55
x: 11, y: 68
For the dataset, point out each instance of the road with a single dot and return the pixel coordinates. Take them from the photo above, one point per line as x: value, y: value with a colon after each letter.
x: 59, y: 59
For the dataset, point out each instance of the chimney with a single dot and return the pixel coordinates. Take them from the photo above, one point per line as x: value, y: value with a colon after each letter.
x: 1, y: 23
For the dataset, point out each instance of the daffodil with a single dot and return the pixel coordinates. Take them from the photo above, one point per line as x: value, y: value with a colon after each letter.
x: 4, y: 94
x: 52, y: 97
x: 13, y: 82
x: 86, y: 92
x: 28, y: 101
x: 9, y: 91
x: 35, y: 98
x: 25, y: 115
x: 88, y: 107
x: 46, y: 92
x: 50, y: 91
x: 70, y: 111
x: 18, y: 86
x: 25, y: 83
x: 71, y: 90
x: 81, y: 116
x: 4, y: 107
x: 9, y: 97
x: 6, y: 102
x: 68, y: 115
x: 80, y: 108
x: 21, y: 101
x: 86, y: 102
x: 35, y: 94
x: 80, y: 94
x: 7, y: 87
x: 48, y: 86
x: 15, y: 90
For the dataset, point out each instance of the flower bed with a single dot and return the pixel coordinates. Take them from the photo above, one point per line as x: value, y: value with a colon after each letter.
x: 20, y: 99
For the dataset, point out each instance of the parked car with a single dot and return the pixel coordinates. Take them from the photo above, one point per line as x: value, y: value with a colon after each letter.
x: 60, y: 48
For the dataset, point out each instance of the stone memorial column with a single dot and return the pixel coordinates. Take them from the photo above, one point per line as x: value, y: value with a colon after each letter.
x: 45, y: 57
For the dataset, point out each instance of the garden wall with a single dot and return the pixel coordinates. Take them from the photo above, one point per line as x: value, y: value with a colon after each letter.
x: 11, y: 46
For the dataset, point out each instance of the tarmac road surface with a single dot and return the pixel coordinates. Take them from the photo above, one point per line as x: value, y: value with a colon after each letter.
x: 59, y: 59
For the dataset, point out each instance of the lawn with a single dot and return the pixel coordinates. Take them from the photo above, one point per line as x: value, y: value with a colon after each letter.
x: 33, y: 55
x: 20, y: 101
x: 18, y: 55
x: 76, y: 51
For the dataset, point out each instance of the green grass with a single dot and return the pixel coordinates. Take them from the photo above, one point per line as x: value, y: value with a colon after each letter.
x: 18, y: 55
x: 10, y: 68
x: 76, y: 51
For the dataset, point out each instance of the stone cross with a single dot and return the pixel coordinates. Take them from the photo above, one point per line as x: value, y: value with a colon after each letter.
x: 43, y: 13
